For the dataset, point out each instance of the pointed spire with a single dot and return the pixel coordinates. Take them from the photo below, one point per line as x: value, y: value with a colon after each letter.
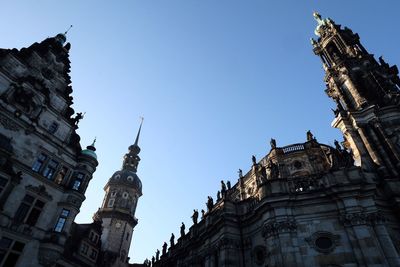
x: 131, y: 159
x: 92, y: 146
x: 90, y: 150
x: 138, y: 134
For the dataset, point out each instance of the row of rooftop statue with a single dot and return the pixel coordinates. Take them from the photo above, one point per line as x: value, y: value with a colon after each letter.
x: 273, y: 172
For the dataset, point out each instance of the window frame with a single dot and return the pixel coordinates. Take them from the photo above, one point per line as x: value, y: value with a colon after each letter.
x: 77, y: 182
x: 40, y: 162
x: 50, y: 169
x: 61, y: 220
x: 112, y: 201
x: 29, y: 210
x: 11, y: 249
x: 53, y: 127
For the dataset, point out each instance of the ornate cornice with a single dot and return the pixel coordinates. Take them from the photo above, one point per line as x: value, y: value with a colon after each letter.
x: 275, y: 228
x: 9, y: 124
x: 39, y: 190
x: 362, y: 218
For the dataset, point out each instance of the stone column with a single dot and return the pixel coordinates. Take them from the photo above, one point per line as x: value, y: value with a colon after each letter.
x: 357, y: 227
x: 229, y: 253
x: 387, y: 245
x: 277, y: 235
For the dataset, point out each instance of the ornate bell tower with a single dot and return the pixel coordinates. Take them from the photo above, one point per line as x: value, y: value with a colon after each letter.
x: 117, y: 212
x: 366, y: 94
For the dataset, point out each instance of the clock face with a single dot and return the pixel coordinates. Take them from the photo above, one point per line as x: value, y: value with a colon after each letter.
x: 118, y: 225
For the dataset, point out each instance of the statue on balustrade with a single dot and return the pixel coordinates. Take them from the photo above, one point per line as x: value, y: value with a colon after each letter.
x: 195, y: 216
x: 182, y: 230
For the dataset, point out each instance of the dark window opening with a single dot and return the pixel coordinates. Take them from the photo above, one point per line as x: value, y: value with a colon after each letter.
x: 84, y: 249
x: 29, y: 210
x: 10, y: 251
x: 53, y: 127
x: 324, y: 242
x: 93, y: 254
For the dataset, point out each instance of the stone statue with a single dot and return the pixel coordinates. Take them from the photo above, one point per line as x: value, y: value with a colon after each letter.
x: 337, y: 145
x: 228, y: 184
x: 195, y: 216
x: 210, y: 203
x: 240, y: 173
x: 273, y: 169
x: 383, y: 63
x: 157, y: 255
x: 253, y: 159
x: 223, y: 188
x: 310, y: 136
x: 272, y: 143
x: 182, y: 230
x: 203, y: 214
x: 77, y: 118
x: 164, y: 248
x: 153, y: 260
x: 218, y: 196
x: 172, y: 240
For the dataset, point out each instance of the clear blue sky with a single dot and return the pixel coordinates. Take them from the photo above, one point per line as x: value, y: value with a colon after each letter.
x: 215, y: 80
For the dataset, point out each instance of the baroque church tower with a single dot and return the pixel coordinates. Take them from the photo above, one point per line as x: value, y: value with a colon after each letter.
x: 367, y: 96
x: 117, y: 212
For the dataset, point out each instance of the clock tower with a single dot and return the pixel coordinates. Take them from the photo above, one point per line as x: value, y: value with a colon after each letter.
x: 117, y: 212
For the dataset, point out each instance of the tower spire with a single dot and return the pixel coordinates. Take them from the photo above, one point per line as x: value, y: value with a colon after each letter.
x: 131, y: 159
x: 138, y: 134
x: 365, y: 92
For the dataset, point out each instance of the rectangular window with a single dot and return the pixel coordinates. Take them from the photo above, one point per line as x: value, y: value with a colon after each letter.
x: 37, y: 165
x: 50, y: 169
x: 78, y: 181
x: 10, y: 251
x: 84, y: 249
x: 93, y: 237
x: 93, y: 255
x: 3, y: 183
x: 111, y: 203
x: 61, y: 221
x: 29, y: 210
x: 53, y: 127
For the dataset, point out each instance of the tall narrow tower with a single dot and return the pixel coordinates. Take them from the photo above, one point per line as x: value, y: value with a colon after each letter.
x: 117, y: 212
x: 367, y: 96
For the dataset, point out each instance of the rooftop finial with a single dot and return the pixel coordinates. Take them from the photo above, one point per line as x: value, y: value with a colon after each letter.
x: 138, y: 134
x: 65, y: 33
x: 321, y: 22
x: 94, y: 141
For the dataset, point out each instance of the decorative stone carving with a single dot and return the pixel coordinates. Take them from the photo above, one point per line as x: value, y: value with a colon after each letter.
x: 274, y: 227
x: 9, y: 124
x: 304, y: 184
x: 39, y: 190
x: 74, y: 201
x: 225, y: 242
x: 362, y: 218
x: 324, y: 242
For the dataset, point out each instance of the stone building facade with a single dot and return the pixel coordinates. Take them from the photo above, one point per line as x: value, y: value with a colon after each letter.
x: 310, y: 204
x: 44, y: 172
